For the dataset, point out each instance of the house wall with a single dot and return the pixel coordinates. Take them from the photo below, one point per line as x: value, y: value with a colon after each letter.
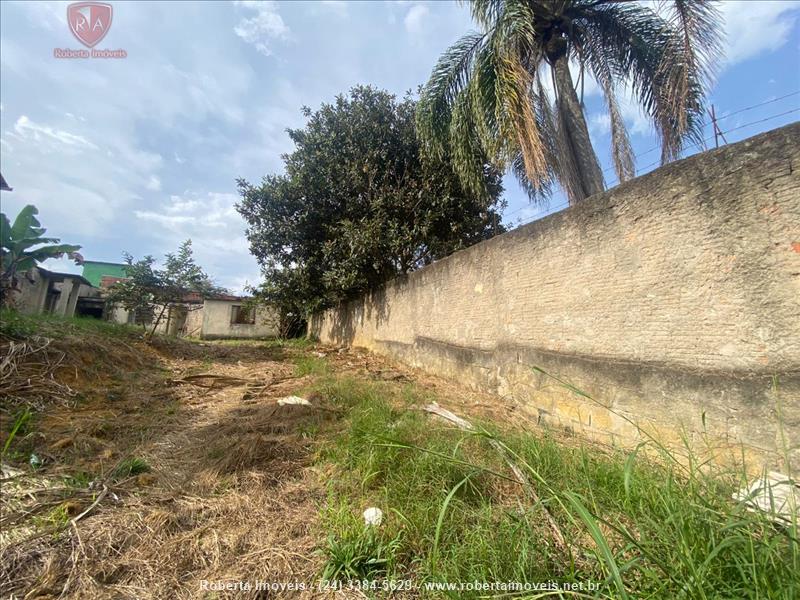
x: 217, y: 321
x: 117, y: 314
x: 94, y: 271
x: 33, y: 287
x: 67, y: 300
x: 673, y: 300
x: 32, y: 292
x: 193, y: 325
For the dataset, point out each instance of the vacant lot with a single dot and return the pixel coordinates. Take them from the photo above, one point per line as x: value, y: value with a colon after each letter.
x: 192, y: 470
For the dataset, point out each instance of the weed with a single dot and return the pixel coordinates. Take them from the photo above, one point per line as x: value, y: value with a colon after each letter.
x: 57, y: 518
x: 129, y: 467
x: 635, y: 527
x: 355, y: 550
x: 312, y: 365
x: 16, y: 325
x: 78, y: 480
x: 19, y: 426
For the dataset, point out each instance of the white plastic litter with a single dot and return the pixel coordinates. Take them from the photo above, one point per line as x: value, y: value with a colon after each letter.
x: 373, y: 516
x: 293, y: 400
x: 774, y: 494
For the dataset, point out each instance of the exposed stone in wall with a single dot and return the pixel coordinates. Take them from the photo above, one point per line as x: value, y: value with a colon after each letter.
x: 673, y: 300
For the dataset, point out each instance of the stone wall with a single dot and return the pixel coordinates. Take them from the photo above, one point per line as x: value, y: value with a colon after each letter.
x: 673, y: 300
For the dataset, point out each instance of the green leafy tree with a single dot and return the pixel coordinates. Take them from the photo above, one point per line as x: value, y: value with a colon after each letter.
x: 487, y: 93
x: 151, y: 291
x: 359, y: 203
x: 24, y: 246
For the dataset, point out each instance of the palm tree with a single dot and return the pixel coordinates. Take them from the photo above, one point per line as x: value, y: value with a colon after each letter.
x: 486, y: 100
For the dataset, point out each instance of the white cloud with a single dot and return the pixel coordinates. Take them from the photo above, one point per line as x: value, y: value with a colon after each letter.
x: 28, y: 130
x: 153, y: 184
x: 216, y: 230
x: 415, y: 18
x: 633, y: 114
x: 757, y: 27
x: 266, y: 25
x: 80, y: 185
x: 600, y: 124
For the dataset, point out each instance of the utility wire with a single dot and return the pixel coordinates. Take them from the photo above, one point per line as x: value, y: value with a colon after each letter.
x: 696, y: 144
x: 708, y: 139
x: 705, y: 123
x: 566, y: 204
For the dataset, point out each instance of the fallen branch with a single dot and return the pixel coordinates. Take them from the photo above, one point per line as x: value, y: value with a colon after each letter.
x: 258, y: 390
x: 91, y: 507
x: 461, y: 423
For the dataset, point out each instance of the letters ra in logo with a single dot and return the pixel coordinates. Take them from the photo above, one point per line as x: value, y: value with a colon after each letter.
x: 89, y: 21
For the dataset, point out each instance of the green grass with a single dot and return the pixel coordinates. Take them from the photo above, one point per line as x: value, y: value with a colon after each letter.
x: 56, y: 518
x: 301, y: 343
x: 20, y: 326
x: 130, y: 467
x: 311, y: 365
x: 635, y: 528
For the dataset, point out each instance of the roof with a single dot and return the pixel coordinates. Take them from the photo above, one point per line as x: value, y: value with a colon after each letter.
x: 104, y: 262
x: 4, y: 185
x: 228, y: 298
x: 62, y: 276
x: 198, y: 297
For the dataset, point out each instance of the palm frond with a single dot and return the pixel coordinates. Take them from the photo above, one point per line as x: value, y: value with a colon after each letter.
x: 468, y: 157
x: 450, y: 77
x: 632, y: 42
x: 693, y: 58
x: 513, y: 43
x: 518, y: 122
x: 621, y: 149
x: 485, y: 12
x: 484, y: 100
x: 699, y: 23
x: 541, y: 191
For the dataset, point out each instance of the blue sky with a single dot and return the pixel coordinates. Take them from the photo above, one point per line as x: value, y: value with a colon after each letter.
x: 140, y: 153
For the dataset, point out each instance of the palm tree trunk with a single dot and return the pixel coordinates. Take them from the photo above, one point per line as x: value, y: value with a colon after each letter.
x: 580, y: 146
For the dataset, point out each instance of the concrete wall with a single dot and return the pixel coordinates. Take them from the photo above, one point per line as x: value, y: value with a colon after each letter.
x: 673, y: 300
x: 217, y: 321
x: 32, y: 285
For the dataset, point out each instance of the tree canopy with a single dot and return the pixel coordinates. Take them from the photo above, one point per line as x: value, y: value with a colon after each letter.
x: 488, y: 92
x: 359, y: 203
x: 150, y: 290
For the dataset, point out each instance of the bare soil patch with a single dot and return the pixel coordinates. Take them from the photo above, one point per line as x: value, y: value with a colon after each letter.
x: 228, y: 493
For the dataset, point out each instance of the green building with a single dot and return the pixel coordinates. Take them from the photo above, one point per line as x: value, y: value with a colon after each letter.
x: 94, y: 271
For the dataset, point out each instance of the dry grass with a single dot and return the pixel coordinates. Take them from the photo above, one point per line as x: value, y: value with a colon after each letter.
x: 27, y: 373
x: 175, y: 464
x: 229, y: 494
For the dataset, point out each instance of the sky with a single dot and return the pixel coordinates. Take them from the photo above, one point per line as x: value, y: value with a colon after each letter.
x: 137, y: 154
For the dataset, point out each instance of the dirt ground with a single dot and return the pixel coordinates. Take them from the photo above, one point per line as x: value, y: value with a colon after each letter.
x: 229, y: 491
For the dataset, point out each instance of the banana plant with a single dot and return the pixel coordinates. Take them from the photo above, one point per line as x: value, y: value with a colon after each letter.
x: 24, y: 246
